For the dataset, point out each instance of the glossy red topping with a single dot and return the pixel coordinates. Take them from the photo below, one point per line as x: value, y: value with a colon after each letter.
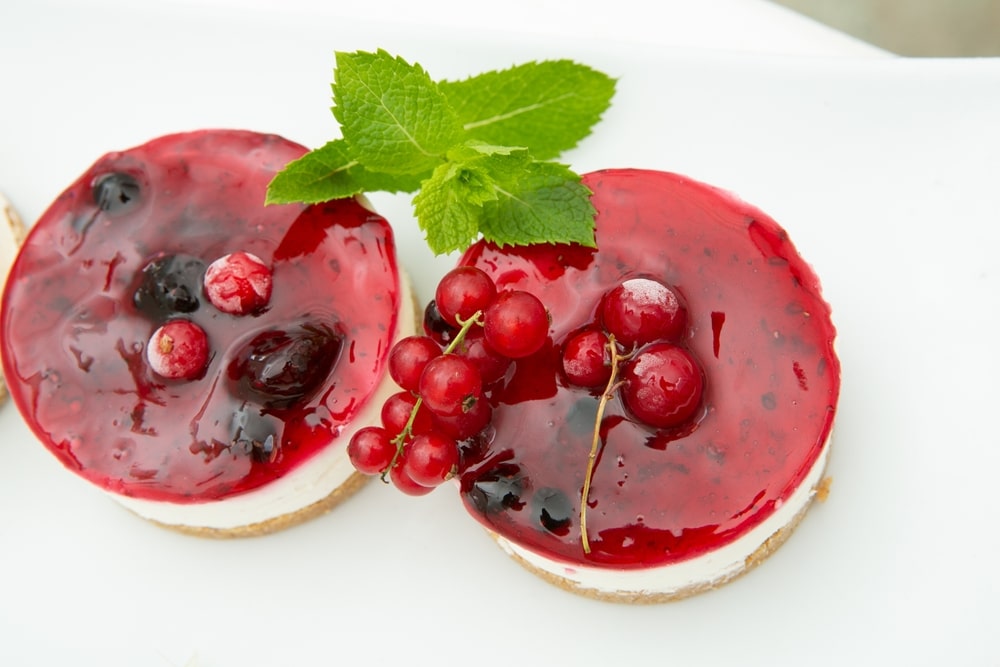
x: 124, y: 250
x: 757, y: 325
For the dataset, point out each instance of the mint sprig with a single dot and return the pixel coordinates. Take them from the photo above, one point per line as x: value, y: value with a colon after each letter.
x: 479, y: 151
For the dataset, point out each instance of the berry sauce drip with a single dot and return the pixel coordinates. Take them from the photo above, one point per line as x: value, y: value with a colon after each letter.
x: 96, y: 279
x: 757, y: 325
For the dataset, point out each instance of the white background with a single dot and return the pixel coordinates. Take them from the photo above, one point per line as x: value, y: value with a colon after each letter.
x: 883, y: 170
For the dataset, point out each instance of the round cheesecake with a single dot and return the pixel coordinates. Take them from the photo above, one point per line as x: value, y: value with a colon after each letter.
x: 672, y: 505
x: 199, y: 356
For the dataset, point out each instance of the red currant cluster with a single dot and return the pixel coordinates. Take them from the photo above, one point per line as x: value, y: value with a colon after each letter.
x: 640, y: 321
x: 474, y: 332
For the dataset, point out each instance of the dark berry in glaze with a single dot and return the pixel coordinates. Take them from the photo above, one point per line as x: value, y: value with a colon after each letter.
x: 169, y: 285
x: 756, y: 324
x: 74, y: 342
x: 282, y: 366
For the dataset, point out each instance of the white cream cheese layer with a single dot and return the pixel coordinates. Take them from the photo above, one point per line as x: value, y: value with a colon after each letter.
x: 304, y: 485
x: 699, y: 573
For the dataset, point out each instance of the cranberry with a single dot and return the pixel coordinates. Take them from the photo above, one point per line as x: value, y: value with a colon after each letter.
x: 640, y: 311
x: 279, y: 367
x: 663, y: 385
x: 238, y: 283
x: 178, y: 350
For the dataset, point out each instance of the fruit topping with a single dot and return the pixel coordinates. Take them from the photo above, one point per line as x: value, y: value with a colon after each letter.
x: 662, y: 385
x: 516, y: 324
x: 450, y: 385
x: 238, y: 283
x: 462, y: 293
x: 124, y: 252
x: 408, y: 358
x: 371, y: 450
x: 640, y: 310
x: 279, y: 367
x: 169, y: 285
x: 116, y: 193
x: 431, y: 458
x: 586, y: 360
x: 178, y: 350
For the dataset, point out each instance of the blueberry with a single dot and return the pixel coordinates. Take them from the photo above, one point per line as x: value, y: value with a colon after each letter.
x: 253, y: 434
x: 170, y: 285
x: 498, y: 489
x: 116, y: 193
x: 553, y: 510
x: 279, y: 367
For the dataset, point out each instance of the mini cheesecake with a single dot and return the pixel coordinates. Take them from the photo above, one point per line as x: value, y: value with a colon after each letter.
x: 199, y: 356
x: 675, y: 504
x: 12, y: 232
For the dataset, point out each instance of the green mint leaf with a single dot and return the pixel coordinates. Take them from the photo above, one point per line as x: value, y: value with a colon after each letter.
x: 392, y: 113
x: 330, y: 172
x: 541, y: 202
x: 449, y: 205
x: 546, y: 106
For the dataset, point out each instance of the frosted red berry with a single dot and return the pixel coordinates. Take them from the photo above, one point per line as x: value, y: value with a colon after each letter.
x: 408, y: 358
x: 239, y: 283
x: 641, y: 310
x: 662, y: 385
x: 450, y: 384
x: 463, y: 292
x: 370, y: 450
x: 516, y: 324
x: 178, y: 350
x: 431, y: 458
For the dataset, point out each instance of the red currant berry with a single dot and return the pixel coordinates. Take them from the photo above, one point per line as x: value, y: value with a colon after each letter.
x: 450, y: 385
x: 431, y: 458
x: 371, y: 450
x: 466, y: 424
x: 663, y: 385
x: 586, y: 359
x: 408, y: 358
x: 396, y: 413
x: 463, y: 292
x: 238, y: 283
x: 641, y: 311
x: 178, y: 350
x: 516, y: 324
x: 492, y: 365
x: 401, y: 479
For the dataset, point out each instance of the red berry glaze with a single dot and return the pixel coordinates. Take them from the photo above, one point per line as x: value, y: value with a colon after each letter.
x: 238, y: 283
x: 662, y: 385
x: 759, y: 329
x: 178, y: 350
x: 73, y: 338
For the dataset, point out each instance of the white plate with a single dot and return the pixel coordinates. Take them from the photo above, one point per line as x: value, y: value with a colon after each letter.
x: 883, y: 170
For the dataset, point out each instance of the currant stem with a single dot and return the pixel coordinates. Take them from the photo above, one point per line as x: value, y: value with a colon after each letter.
x: 609, y: 390
x: 404, y: 435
